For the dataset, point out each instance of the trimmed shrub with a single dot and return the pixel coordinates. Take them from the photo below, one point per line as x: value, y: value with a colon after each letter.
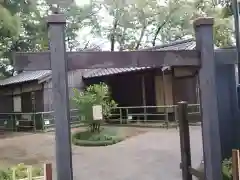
x: 88, y: 138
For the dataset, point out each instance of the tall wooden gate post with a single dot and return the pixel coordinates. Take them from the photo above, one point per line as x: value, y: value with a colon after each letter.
x: 56, y: 26
x: 184, y: 140
x: 209, y: 101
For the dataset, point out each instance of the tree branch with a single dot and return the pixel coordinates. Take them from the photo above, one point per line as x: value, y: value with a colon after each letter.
x: 162, y: 25
x: 140, y: 38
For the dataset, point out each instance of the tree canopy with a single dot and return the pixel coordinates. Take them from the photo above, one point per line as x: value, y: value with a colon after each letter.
x: 115, y: 25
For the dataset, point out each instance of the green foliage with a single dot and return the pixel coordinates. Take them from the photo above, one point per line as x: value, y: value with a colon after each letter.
x: 23, y: 27
x: 101, y: 138
x: 97, y: 94
x: 20, y: 172
x: 227, y: 169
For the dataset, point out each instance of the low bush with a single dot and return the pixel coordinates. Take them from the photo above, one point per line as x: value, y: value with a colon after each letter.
x: 101, y: 138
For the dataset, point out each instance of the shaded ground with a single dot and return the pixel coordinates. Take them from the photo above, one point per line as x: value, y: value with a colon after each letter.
x: 152, y: 155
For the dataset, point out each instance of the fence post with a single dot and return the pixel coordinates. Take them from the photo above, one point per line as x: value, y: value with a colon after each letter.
x: 14, y: 173
x: 175, y: 116
x: 29, y: 173
x: 235, y: 164
x: 121, y: 118
x: 127, y: 115
x: 43, y: 123
x: 184, y: 140
x: 34, y: 122
x: 48, y: 171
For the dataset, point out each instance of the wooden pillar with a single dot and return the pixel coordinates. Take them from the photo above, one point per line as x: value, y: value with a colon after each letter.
x: 209, y: 100
x: 144, y: 96
x: 184, y: 140
x: 56, y: 26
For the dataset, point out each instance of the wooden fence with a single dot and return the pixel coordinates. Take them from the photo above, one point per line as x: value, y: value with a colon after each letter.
x: 187, y: 170
x: 47, y: 175
x: 235, y: 164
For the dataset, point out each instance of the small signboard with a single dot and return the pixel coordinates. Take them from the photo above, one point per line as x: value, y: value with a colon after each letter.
x: 61, y: 3
x: 97, y: 112
x: 17, y: 123
x: 130, y: 117
x: 47, y: 122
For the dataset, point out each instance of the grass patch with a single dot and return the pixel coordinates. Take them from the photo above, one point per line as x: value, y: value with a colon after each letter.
x: 106, y: 137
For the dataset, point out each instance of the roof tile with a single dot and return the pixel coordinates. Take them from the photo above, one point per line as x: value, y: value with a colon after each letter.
x: 25, y: 77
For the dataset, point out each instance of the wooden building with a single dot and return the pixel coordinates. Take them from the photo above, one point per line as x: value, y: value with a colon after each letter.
x: 31, y: 91
x: 150, y: 86
x: 146, y: 86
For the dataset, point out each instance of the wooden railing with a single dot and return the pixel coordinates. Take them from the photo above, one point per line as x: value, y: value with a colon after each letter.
x: 47, y: 175
x: 165, y: 113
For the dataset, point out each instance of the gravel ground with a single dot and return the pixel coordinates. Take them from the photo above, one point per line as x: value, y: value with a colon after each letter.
x: 154, y: 155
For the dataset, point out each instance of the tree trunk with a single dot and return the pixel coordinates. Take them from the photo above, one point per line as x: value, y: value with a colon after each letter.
x: 121, y: 43
x: 112, y: 39
x: 140, y: 38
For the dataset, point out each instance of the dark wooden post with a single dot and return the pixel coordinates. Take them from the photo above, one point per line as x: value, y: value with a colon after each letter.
x: 184, y: 140
x: 56, y: 25
x: 209, y: 100
x: 235, y: 164
x: 48, y: 171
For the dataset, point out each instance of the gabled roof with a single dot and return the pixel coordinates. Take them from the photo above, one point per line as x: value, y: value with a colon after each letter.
x: 25, y: 77
x: 188, y: 44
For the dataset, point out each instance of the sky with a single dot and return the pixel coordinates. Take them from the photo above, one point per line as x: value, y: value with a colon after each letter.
x: 84, y: 34
x: 82, y: 2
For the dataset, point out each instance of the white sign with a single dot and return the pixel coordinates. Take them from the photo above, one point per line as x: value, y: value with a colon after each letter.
x: 61, y: 3
x: 97, y: 112
x: 17, y: 123
x: 130, y: 117
x: 47, y: 122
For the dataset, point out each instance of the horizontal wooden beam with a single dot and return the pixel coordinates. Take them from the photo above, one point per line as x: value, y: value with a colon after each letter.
x: 106, y: 59
x: 226, y: 56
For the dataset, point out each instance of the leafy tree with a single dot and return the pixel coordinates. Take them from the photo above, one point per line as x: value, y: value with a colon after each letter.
x: 97, y: 94
x: 24, y: 28
x: 133, y: 24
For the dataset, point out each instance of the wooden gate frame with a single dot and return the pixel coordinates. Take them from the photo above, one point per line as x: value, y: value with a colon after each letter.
x: 61, y: 61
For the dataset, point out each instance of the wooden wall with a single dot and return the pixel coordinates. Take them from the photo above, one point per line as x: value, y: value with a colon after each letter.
x: 74, y: 81
x: 24, y: 90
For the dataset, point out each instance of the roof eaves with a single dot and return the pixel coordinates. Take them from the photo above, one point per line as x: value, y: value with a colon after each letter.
x: 168, y: 44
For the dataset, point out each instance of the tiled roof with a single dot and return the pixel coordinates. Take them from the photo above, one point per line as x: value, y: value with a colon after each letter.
x: 188, y: 44
x: 25, y: 77
x: 110, y: 71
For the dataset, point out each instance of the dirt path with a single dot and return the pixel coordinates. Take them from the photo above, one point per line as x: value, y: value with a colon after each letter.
x: 152, y: 155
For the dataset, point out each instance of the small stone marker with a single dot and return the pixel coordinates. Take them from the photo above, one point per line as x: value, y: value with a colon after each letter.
x: 97, y: 112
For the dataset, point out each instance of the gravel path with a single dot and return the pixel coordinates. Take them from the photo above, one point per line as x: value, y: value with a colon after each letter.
x: 151, y: 156
x: 154, y: 155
